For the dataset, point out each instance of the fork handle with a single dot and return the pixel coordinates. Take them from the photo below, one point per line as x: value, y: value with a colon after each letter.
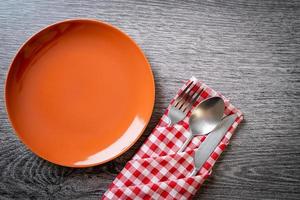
x: 182, y: 148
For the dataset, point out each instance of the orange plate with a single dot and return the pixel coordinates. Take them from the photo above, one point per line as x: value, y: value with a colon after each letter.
x: 79, y: 93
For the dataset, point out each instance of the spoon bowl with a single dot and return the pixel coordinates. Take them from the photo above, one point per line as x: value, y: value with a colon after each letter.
x: 205, y: 118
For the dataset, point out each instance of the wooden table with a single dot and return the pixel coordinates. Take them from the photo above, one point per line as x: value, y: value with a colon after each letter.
x: 248, y: 50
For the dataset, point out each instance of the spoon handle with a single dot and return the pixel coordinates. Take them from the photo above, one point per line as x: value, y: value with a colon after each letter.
x: 186, y: 143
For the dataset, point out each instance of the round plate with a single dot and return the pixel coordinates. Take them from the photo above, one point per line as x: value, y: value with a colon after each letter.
x: 79, y: 93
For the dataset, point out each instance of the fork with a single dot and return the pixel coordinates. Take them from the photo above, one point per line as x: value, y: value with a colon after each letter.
x: 183, y: 103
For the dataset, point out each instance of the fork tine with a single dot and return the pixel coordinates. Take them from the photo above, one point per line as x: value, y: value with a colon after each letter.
x: 181, y: 95
x: 185, y: 98
x: 189, y: 99
x: 197, y: 95
x: 194, y: 99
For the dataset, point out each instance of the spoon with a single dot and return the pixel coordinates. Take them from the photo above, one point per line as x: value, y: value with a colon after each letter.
x: 205, y: 118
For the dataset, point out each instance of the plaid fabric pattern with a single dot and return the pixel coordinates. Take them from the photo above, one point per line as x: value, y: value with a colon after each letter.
x: 157, y: 171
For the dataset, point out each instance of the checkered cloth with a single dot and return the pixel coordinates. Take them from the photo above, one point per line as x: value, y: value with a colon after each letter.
x: 158, y: 171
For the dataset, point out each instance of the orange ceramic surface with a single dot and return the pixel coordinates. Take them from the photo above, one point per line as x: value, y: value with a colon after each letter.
x: 79, y: 93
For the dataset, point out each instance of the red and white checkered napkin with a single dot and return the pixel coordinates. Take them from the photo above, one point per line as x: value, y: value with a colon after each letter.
x: 157, y: 171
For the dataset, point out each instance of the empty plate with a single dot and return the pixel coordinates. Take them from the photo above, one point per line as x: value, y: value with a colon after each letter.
x: 79, y: 93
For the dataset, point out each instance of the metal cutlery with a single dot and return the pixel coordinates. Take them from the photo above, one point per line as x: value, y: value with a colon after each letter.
x: 205, y: 118
x: 183, y: 103
x: 211, y: 142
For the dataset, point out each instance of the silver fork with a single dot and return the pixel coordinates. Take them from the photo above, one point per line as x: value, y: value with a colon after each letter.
x: 183, y: 103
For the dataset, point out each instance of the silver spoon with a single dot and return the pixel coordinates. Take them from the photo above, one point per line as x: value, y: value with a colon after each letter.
x: 205, y: 118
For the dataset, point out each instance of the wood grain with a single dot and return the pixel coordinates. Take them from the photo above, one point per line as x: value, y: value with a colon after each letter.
x: 248, y: 50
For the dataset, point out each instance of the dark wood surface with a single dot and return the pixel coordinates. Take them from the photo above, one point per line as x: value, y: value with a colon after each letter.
x: 248, y: 50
